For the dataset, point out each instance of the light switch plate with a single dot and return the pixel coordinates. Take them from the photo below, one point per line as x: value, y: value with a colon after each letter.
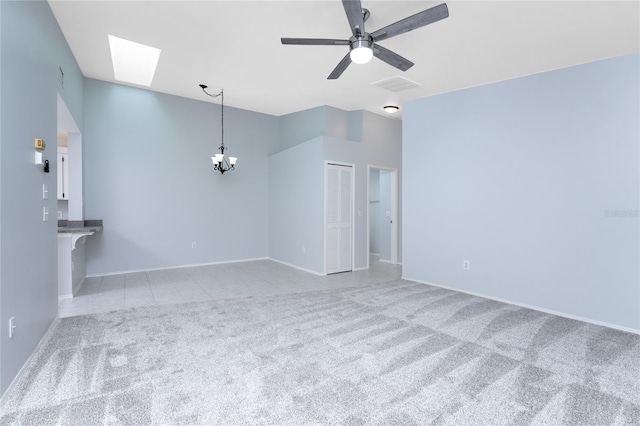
x: 12, y: 326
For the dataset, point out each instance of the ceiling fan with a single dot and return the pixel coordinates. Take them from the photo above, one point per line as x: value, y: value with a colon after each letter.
x: 363, y: 45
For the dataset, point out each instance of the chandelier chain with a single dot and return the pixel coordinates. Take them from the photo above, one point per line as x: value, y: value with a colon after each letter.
x: 221, y: 94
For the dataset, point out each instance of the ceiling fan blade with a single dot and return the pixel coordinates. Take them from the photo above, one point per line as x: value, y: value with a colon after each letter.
x: 315, y: 41
x: 338, y: 70
x: 418, y: 20
x: 391, y: 58
x: 353, y: 9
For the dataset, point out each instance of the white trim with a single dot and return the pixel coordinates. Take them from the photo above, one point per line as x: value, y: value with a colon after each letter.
x: 535, y: 308
x: 291, y: 265
x: 353, y: 212
x: 394, y: 212
x: 22, y: 370
x: 368, y: 225
x: 394, y: 216
x: 324, y: 219
x: 363, y: 268
x: 163, y: 268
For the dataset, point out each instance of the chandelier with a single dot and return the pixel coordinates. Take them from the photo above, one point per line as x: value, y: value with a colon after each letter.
x: 220, y: 163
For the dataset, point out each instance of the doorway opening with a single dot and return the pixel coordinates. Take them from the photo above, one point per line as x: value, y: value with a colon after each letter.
x: 382, y: 214
x: 69, y: 167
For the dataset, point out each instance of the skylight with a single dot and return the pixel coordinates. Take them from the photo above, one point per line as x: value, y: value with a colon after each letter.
x: 133, y: 62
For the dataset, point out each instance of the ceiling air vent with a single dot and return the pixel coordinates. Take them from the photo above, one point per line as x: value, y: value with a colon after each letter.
x: 396, y: 84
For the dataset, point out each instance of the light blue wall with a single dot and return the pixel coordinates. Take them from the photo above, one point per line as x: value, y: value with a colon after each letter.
x: 1, y: 180
x: 362, y: 154
x: 517, y: 177
x: 381, y: 134
x: 296, y: 206
x: 302, y: 126
x: 149, y: 177
x: 379, y: 148
x: 301, y: 168
x: 32, y: 48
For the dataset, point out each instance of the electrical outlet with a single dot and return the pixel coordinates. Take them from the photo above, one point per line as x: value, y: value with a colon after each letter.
x: 194, y: 245
x: 12, y: 326
x: 45, y: 214
x: 45, y: 191
x: 465, y: 265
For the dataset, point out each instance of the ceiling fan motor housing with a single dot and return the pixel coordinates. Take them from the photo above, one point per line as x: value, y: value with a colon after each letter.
x: 364, y: 40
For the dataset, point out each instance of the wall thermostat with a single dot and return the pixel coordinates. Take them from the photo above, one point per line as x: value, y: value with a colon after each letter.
x: 40, y: 144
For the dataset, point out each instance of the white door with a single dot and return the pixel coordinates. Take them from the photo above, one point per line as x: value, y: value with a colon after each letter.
x: 339, y: 217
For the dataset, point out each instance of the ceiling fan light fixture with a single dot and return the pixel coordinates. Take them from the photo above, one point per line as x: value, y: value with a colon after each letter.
x: 391, y: 108
x: 361, y: 51
x: 361, y: 44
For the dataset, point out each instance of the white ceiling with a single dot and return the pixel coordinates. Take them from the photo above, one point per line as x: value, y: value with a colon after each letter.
x: 235, y: 45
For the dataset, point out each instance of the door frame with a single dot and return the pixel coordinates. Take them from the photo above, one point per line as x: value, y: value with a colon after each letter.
x: 394, y: 211
x: 353, y: 219
x: 66, y: 124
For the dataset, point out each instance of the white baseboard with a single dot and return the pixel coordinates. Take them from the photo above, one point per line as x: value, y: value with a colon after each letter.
x: 162, y: 268
x: 16, y: 379
x: 535, y: 308
x: 132, y: 271
x: 291, y: 265
x: 360, y: 269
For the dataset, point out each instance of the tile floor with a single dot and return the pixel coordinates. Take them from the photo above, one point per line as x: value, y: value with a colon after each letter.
x: 201, y: 283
